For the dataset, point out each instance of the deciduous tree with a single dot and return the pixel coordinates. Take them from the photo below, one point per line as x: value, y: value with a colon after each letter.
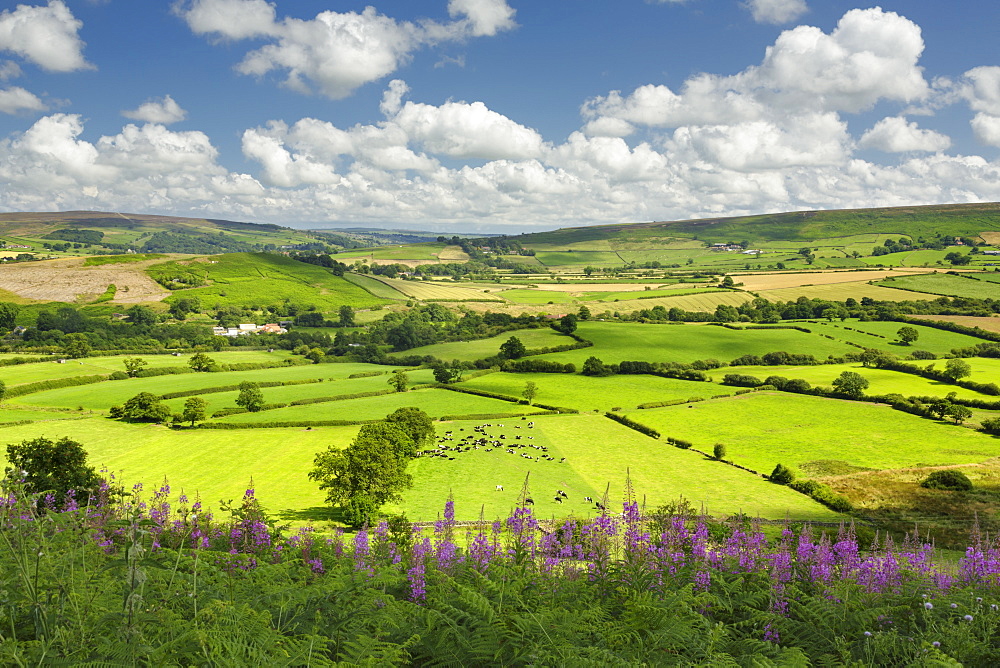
x: 907, y: 335
x: 956, y: 369
x: 851, y: 383
x: 201, y: 362
x: 133, y: 365
x: 370, y: 467
x: 512, y: 349
x: 194, y: 410
x: 53, y: 466
x: 250, y: 397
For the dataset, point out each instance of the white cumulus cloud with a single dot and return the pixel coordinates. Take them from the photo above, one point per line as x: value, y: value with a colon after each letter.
x: 337, y: 52
x: 164, y: 111
x: 987, y: 128
x: 14, y: 100
x: 776, y: 11
x: 45, y: 35
x: 896, y: 135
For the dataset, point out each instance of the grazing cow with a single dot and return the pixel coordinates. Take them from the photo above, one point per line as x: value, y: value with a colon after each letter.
x: 563, y: 494
x: 499, y: 488
x: 529, y: 500
x: 558, y: 498
x: 588, y: 499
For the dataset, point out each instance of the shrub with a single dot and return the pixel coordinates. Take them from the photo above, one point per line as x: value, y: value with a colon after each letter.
x: 782, y: 475
x: 948, y: 479
x: 719, y: 451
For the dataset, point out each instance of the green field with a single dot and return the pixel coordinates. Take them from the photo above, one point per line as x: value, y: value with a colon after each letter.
x: 434, y: 402
x: 102, y: 396
x: 946, y: 284
x: 763, y: 429
x: 937, y: 341
x: 596, y: 462
x: 89, y: 366
x: 374, y: 286
x: 540, y: 296
x: 882, y: 381
x: 259, y: 279
x: 587, y: 393
x: 616, y: 342
x: 482, y: 348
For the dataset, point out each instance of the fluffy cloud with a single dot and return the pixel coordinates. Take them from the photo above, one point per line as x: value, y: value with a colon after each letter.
x: 46, y: 36
x: 871, y: 56
x: 14, y: 100
x: 981, y: 88
x: 896, y: 135
x: 231, y: 19
x: 467, y: 130
x: 9, y: 70
x: 164, y: 111
x: 987, y: 128
x: 337, y: 52
x: 776, y: 11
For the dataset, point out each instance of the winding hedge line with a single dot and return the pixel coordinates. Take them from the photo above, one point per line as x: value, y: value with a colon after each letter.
x: 52, y: 384
x: 632, y: 424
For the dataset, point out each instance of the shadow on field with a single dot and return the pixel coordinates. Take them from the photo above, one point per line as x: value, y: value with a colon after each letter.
x: 314, y: 514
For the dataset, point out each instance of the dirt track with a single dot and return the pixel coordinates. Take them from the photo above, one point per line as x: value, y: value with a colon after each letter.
x: 69, y: 281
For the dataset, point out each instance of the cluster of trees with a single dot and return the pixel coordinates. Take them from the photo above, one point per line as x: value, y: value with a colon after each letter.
x: 371, y: 471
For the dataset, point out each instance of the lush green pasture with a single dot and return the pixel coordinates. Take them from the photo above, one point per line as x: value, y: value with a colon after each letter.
x: 645, y: 294
x: 578, y: 258
x: 288, y: 393
x: 434, y: 402
x: 89, y: 366
x: 529, y: 296
x: 438, y: 290
x: 101, y: 396
x: 984, y: 369
x: 882, y: 381
x: 937, y: 341
x: 599, y: 454
x: 615, y: 342
x: 763, y: 429
x: 8, y: 414
x: 946, y: 284
x: 427, y: 250
x: 588, y: 393
x: 214, y: 463
x: 478, y: 349
x: 840, y: 292
x: 254, y: 279
x: 701, y: 301
x: 374, y: 286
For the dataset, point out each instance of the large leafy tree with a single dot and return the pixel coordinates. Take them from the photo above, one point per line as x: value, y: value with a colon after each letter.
x: 250, y: 397
x: 370, y: 467
x: 851, y: 383
x: 957, y: 369
x: 415, y: 423
x: 143, y: 407
x: 201, y: 362
x: 512, y: 349
x: 907, y: 335
x: 194, y: 410
x: 53, y: 466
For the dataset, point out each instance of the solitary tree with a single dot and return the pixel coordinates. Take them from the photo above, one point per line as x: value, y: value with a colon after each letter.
x: 782, y: 475
x: 719, y: 451
x: 194, y: 410
x: 369, y: 467
x: 398, y: 380
x: 445, y: 374
x: 201, y: 362
x: 530, y: 390
x: 346, y: 314
x: 250, y: 398
x: 133, y: 365
x: 851, y: 383
x: 957, y: 369
x: 512, y: 349
x: 907, y: 335
x: 53, y: 466
x: 583, y: 313
x: 566, y: 324
x: 143, y: 407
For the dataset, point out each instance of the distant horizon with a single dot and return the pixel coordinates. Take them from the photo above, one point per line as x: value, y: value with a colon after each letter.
x: 320, y: 226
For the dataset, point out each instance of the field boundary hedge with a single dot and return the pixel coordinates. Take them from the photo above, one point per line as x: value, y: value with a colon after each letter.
x: 280, y: 424
x: 52, y: 384
x: 632, y: 424
x: 234, y: 388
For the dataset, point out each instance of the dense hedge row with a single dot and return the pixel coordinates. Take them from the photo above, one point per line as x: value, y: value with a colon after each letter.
x: 339, y: 397
x: 822, y: 494
x: 275, y: 425
x: 234, y: 388
x: 52, y: 384
x: 632, y: 424
x: 536, y: 366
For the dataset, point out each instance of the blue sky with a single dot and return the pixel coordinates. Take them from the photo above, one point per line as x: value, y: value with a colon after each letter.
x: 495, y: 115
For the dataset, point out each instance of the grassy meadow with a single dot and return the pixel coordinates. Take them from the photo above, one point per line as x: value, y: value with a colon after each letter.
x: 951, y: 285
x: 763, y: 429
